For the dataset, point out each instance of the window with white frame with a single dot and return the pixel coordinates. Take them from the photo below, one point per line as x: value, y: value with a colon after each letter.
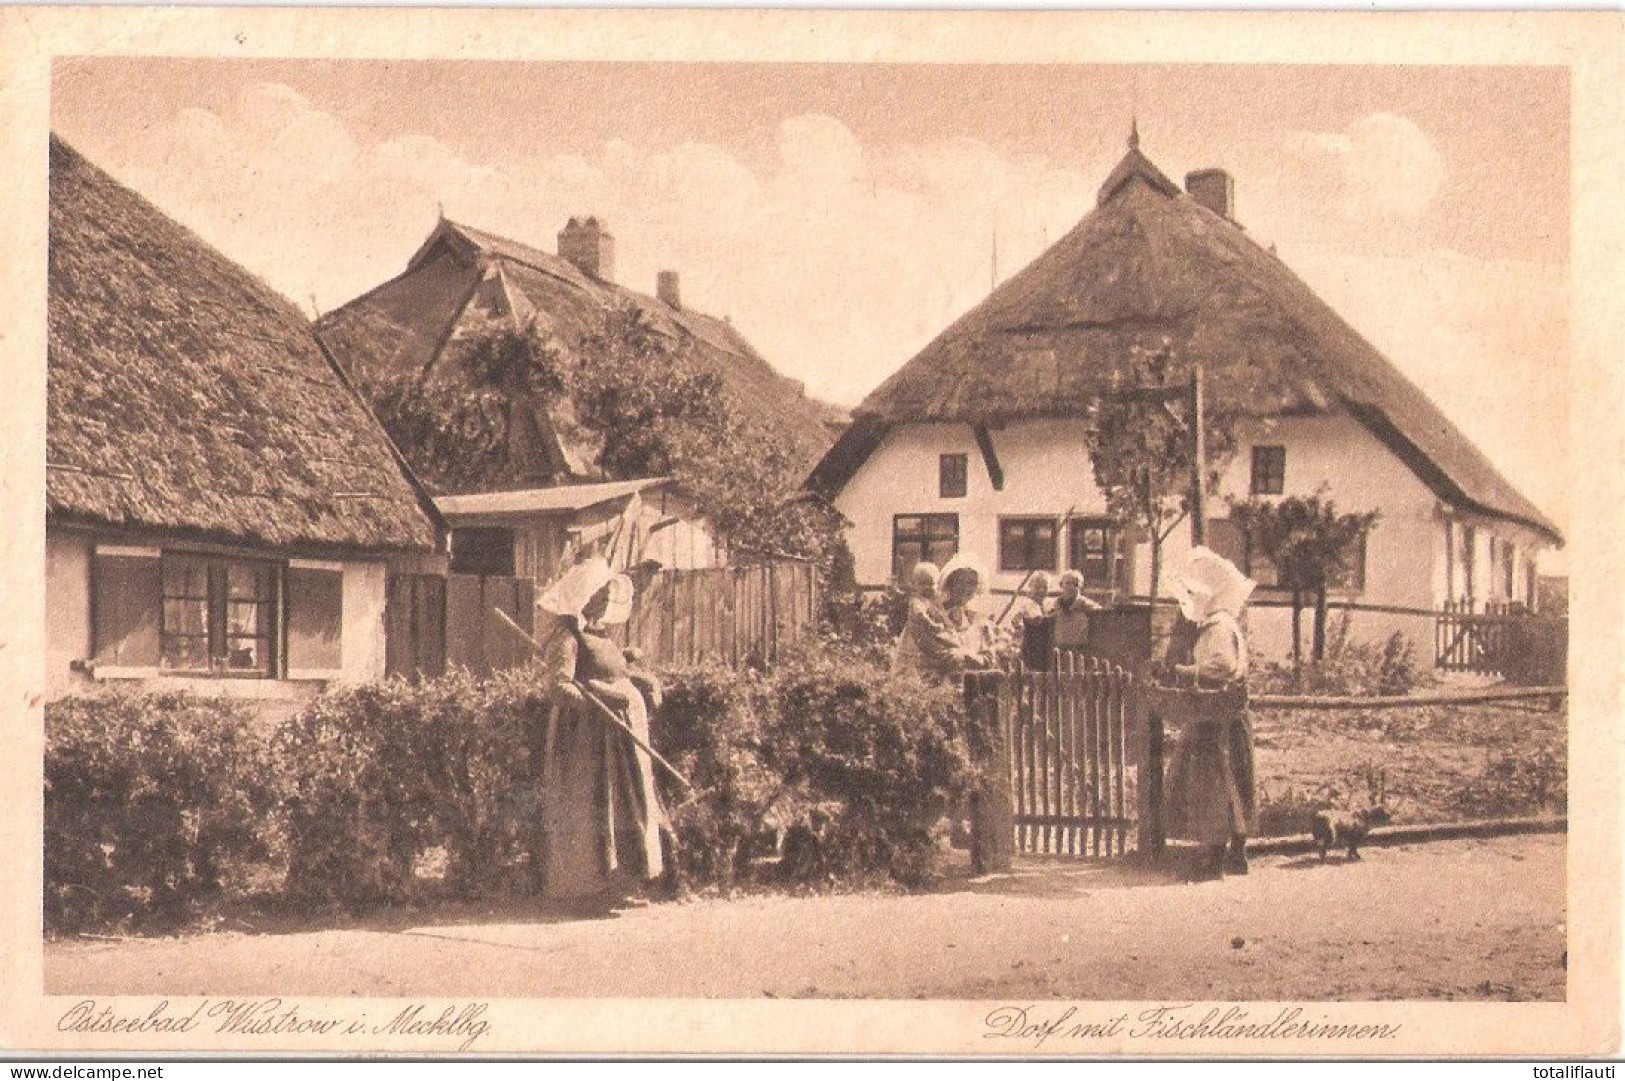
x: 1093, y: 550
x: 1027, y: 544
x: 219, y: 616
x: 922, y: 538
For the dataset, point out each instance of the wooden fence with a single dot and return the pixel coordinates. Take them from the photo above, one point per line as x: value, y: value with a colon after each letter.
x: 736, y: 615
x: 1066, y: 752
x: 1468, y: 641
x: 1505, y: 640
x: 475, y: 637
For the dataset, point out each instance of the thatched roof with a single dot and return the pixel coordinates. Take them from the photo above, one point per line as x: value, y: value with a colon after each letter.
x: 405, y: 324
x: 1150, y: 264
x: 186, y: 396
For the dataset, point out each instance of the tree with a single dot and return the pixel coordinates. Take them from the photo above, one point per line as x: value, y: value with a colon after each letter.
x: 477, y: 418
x: 660, y: 413
x: 1142, y: 450
x: 633, y: 398
x: 1311, y: 546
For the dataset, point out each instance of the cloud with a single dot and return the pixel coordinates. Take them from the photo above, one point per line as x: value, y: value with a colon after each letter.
x: 1374, y: 181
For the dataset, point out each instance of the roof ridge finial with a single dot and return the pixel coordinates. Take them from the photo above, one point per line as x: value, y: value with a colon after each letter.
x: 1134, y: 133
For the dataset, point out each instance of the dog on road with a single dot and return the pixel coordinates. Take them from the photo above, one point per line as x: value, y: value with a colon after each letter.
x: 1346, y: 829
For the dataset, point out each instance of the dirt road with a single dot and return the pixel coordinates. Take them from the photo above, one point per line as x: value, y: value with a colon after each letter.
x: 1458, y: 920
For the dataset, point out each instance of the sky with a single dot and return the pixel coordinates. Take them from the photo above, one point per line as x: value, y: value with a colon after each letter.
x: 841, y: 215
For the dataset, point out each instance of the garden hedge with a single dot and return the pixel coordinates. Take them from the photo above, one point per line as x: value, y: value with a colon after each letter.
x: 164, y: 808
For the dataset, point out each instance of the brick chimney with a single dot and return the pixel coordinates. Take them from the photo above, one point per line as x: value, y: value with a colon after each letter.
x: 668, y: 290
x: 1214, y: 189
x: 590, y: 246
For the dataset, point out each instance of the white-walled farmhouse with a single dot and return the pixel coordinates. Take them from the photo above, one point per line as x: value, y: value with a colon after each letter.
x: 978, y: 444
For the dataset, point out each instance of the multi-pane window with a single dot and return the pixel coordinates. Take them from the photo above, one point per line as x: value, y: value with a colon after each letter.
x: 218, y: 616
x: 917, y: 538
x: 1027, y: 544
x: 1261, y: 569
x: 315, y: 617
x: 953, y: 472
x: 1092, y: 551
x: 1269, y: 471
x: 1351, y: 576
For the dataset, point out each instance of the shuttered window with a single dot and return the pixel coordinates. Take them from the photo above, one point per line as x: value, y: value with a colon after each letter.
x: 219, y: 616
x: 126, y: 587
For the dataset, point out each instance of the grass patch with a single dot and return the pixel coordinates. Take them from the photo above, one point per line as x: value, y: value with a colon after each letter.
x: 1437, y: 763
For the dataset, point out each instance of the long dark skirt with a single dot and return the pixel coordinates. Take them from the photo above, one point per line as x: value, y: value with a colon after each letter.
x: 600, y: 815
x: 1210, y: 795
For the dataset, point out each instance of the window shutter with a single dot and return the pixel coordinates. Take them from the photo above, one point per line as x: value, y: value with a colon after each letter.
x: 315, y: 619
x: 126, y: 593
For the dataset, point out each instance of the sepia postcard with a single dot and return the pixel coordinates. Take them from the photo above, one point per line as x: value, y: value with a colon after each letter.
x: 727, y: 532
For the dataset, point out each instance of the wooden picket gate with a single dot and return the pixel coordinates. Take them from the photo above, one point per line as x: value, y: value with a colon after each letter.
x: 1469, y: 641
x: 1073, y: 783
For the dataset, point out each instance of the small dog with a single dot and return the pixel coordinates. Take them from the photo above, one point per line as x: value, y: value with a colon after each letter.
x: 1346, y: 829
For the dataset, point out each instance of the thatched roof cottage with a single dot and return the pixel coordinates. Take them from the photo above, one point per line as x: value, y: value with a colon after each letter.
x: 462, y: 279
x: 223, y: 511
x: 977, y: 442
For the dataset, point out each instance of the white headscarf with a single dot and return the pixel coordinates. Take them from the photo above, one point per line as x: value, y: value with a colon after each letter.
x: 964, y: 561
x: 1212, y: 584
x: 566, y: 597
x: 923, y: 579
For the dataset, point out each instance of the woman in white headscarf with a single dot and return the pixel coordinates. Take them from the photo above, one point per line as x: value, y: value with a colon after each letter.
x: 601, y: 813
x: 963, y: 581
x: 1210, y: 793
x: 932, y: 644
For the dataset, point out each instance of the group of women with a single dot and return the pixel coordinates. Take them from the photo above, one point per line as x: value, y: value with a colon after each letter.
x: 604, y: 828
x: 1210, y: 793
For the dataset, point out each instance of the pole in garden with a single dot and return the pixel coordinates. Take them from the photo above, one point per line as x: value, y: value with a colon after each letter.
x: 1198, y: 407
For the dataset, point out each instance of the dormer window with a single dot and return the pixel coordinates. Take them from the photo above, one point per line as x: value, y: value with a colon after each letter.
x: 952, y: 473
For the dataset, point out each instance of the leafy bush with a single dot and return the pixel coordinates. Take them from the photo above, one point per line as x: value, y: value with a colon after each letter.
x: 710, y: 727
x: 378, y: 776
x: 1350, y: 669
x: 856, y: 769
x: 158, y: 806
x: 158, y: 809
x: 882, y: 759
x: 1531, y: 780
